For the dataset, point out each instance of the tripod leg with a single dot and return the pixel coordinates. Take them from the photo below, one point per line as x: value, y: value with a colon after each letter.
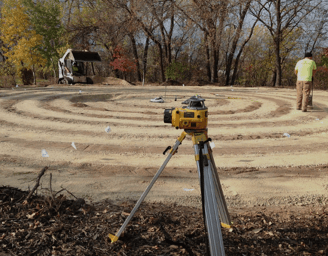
x: 211, y: 207
x: 224, y: 214
x: 115, y: 237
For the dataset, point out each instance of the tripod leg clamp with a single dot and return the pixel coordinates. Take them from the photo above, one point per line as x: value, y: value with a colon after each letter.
x: 206, y: 155
x: 225, y: 225
x: 169, y: 147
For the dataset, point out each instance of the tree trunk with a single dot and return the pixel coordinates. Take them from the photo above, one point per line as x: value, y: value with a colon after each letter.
x: 228, y: 68
x: 161, y: 65
x: 208, y: 58
x: 170, y: 34
x: 235, y: 41
x: 215, y: 62
x: 278, y: 63
x: 136, y: 57
x: 169, y: 52
x: 54, y: 70
x: 235, y: 70
x: 277, y: 41
x: 215, y: 66
x: 274, y: 77
x: 34, y: 75
x: 218, y: 38
x: 145, y: 56
x: 116, y: 73
x: 233, y: 79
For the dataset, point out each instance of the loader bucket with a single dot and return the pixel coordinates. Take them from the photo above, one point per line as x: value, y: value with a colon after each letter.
x: 81, y: 56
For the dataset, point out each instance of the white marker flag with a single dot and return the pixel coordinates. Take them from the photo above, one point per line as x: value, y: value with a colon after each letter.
x: 44, y: 153
x: 73, y: 145
x: 107, y: 129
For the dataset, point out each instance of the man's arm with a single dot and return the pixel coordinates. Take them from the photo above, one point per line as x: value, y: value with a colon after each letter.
x: 296, y: 69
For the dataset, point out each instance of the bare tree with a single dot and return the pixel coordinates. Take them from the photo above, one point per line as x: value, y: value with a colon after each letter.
x: 156, y: 19
x: 210, y: 16
x: 241, y: 48
x: 237, y: 21
x: 281, y: 17
x: 315, y: 28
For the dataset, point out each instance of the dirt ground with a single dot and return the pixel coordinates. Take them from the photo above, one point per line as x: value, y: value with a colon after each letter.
x: 257, y: 164
x: 272, y: 162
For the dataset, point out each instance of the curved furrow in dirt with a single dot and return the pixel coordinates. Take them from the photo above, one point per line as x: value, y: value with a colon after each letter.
x: 119, y: 115
x: 247, y: 126
x: 99, y: 146
x: 75, y: 119
x: 225, y: 132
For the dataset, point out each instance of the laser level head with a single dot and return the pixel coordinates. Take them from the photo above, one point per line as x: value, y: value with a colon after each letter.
x: 191, y: 117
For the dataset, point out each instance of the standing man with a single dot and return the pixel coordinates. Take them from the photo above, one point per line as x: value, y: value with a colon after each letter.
x: 305, y: 70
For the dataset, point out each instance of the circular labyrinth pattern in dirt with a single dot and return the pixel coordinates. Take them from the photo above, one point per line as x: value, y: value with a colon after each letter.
x: 247, y: 125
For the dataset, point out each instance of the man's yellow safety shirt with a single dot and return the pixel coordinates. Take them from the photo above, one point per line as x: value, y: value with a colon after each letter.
x: 304, y: 69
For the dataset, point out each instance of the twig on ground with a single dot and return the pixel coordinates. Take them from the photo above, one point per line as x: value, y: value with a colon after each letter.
x: 36, y: 185
x: 66, y: 191
x: 52, y: 194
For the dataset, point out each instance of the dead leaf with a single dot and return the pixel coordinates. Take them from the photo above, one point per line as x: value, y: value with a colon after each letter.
x: 257, y: 230
x: 31, y: 216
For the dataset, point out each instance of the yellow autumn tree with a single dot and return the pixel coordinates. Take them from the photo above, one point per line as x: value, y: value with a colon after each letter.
x: 19, y: 38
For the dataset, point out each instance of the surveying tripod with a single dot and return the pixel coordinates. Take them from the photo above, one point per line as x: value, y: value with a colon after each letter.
x: 213, y: 202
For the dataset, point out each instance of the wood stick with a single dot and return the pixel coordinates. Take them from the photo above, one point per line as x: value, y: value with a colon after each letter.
x: 37, y: 184
x: 66, y: 191
x: 52, y: 194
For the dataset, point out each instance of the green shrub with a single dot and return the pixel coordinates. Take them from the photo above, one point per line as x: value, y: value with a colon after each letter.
x: 321, y: 78
x: 176, y: 71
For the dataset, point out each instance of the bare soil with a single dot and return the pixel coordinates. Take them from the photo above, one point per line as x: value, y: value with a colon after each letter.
x: 259, y: 166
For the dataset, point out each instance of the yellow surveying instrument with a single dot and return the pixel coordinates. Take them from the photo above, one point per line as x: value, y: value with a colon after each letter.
x: 193, y: 119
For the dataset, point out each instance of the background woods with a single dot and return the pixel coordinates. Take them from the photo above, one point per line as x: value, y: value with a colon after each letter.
x: 245, y: 42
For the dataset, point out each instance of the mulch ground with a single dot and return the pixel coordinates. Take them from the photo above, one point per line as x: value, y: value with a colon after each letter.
x: 57, y: 225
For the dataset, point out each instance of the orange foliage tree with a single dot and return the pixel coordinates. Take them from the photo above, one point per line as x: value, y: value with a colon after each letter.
x: 122, y: 62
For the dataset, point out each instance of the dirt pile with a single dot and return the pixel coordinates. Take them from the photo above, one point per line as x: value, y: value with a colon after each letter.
x: 56, y: 225
x: 110, y: 81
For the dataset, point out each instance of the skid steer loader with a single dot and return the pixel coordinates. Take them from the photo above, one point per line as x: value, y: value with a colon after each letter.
x: 77, y: 67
